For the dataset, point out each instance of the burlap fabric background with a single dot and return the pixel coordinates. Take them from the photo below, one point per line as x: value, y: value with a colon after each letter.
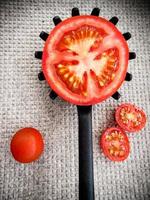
x: 24, y: 101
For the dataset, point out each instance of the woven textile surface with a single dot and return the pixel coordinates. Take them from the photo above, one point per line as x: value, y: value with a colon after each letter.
x: 24, y: 102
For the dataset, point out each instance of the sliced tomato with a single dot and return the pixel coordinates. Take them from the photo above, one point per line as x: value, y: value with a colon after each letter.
x: 27, y: 145
x: 85, y: 59
x: 130, y: 118
x: 115, y: 144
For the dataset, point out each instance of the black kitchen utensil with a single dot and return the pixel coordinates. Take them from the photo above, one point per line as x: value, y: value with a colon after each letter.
x: 86, y: 177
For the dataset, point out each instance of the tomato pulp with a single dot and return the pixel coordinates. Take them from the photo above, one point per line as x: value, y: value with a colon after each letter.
x: 85, y: 59
x: 115, y: 144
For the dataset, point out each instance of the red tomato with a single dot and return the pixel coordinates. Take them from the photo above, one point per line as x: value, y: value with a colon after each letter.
x: 85, y: 59
x: 130, y: 118
x: 27, y: 145
x: 115, y: 144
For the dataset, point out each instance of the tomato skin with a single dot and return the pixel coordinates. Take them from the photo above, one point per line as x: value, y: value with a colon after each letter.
x: 27, y: 145
x: 59, y: 87
x: 134, y: 109
x: 104, y: 146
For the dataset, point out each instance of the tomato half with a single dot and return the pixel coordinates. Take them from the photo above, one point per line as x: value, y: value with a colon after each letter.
x: 27, y: 145
x: 85, y: 59
x: 130, y: 118
x: 115, y: 144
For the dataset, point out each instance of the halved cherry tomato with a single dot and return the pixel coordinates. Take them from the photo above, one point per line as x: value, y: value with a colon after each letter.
x: 115, y: 144
x: 130, y: 118
x: 85, y: 59
x: 27, y: 145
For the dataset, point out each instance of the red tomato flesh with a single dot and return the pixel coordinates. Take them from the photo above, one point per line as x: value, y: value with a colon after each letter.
x: 115, y: 144
x: 27, y: 145
x: 130, y: 118
x: 85, y: 59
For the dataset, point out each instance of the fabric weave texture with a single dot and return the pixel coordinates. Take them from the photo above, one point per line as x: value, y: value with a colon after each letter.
x: 25, y: 102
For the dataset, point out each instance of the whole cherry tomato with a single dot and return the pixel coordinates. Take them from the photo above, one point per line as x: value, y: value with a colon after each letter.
x: 27, y: 145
